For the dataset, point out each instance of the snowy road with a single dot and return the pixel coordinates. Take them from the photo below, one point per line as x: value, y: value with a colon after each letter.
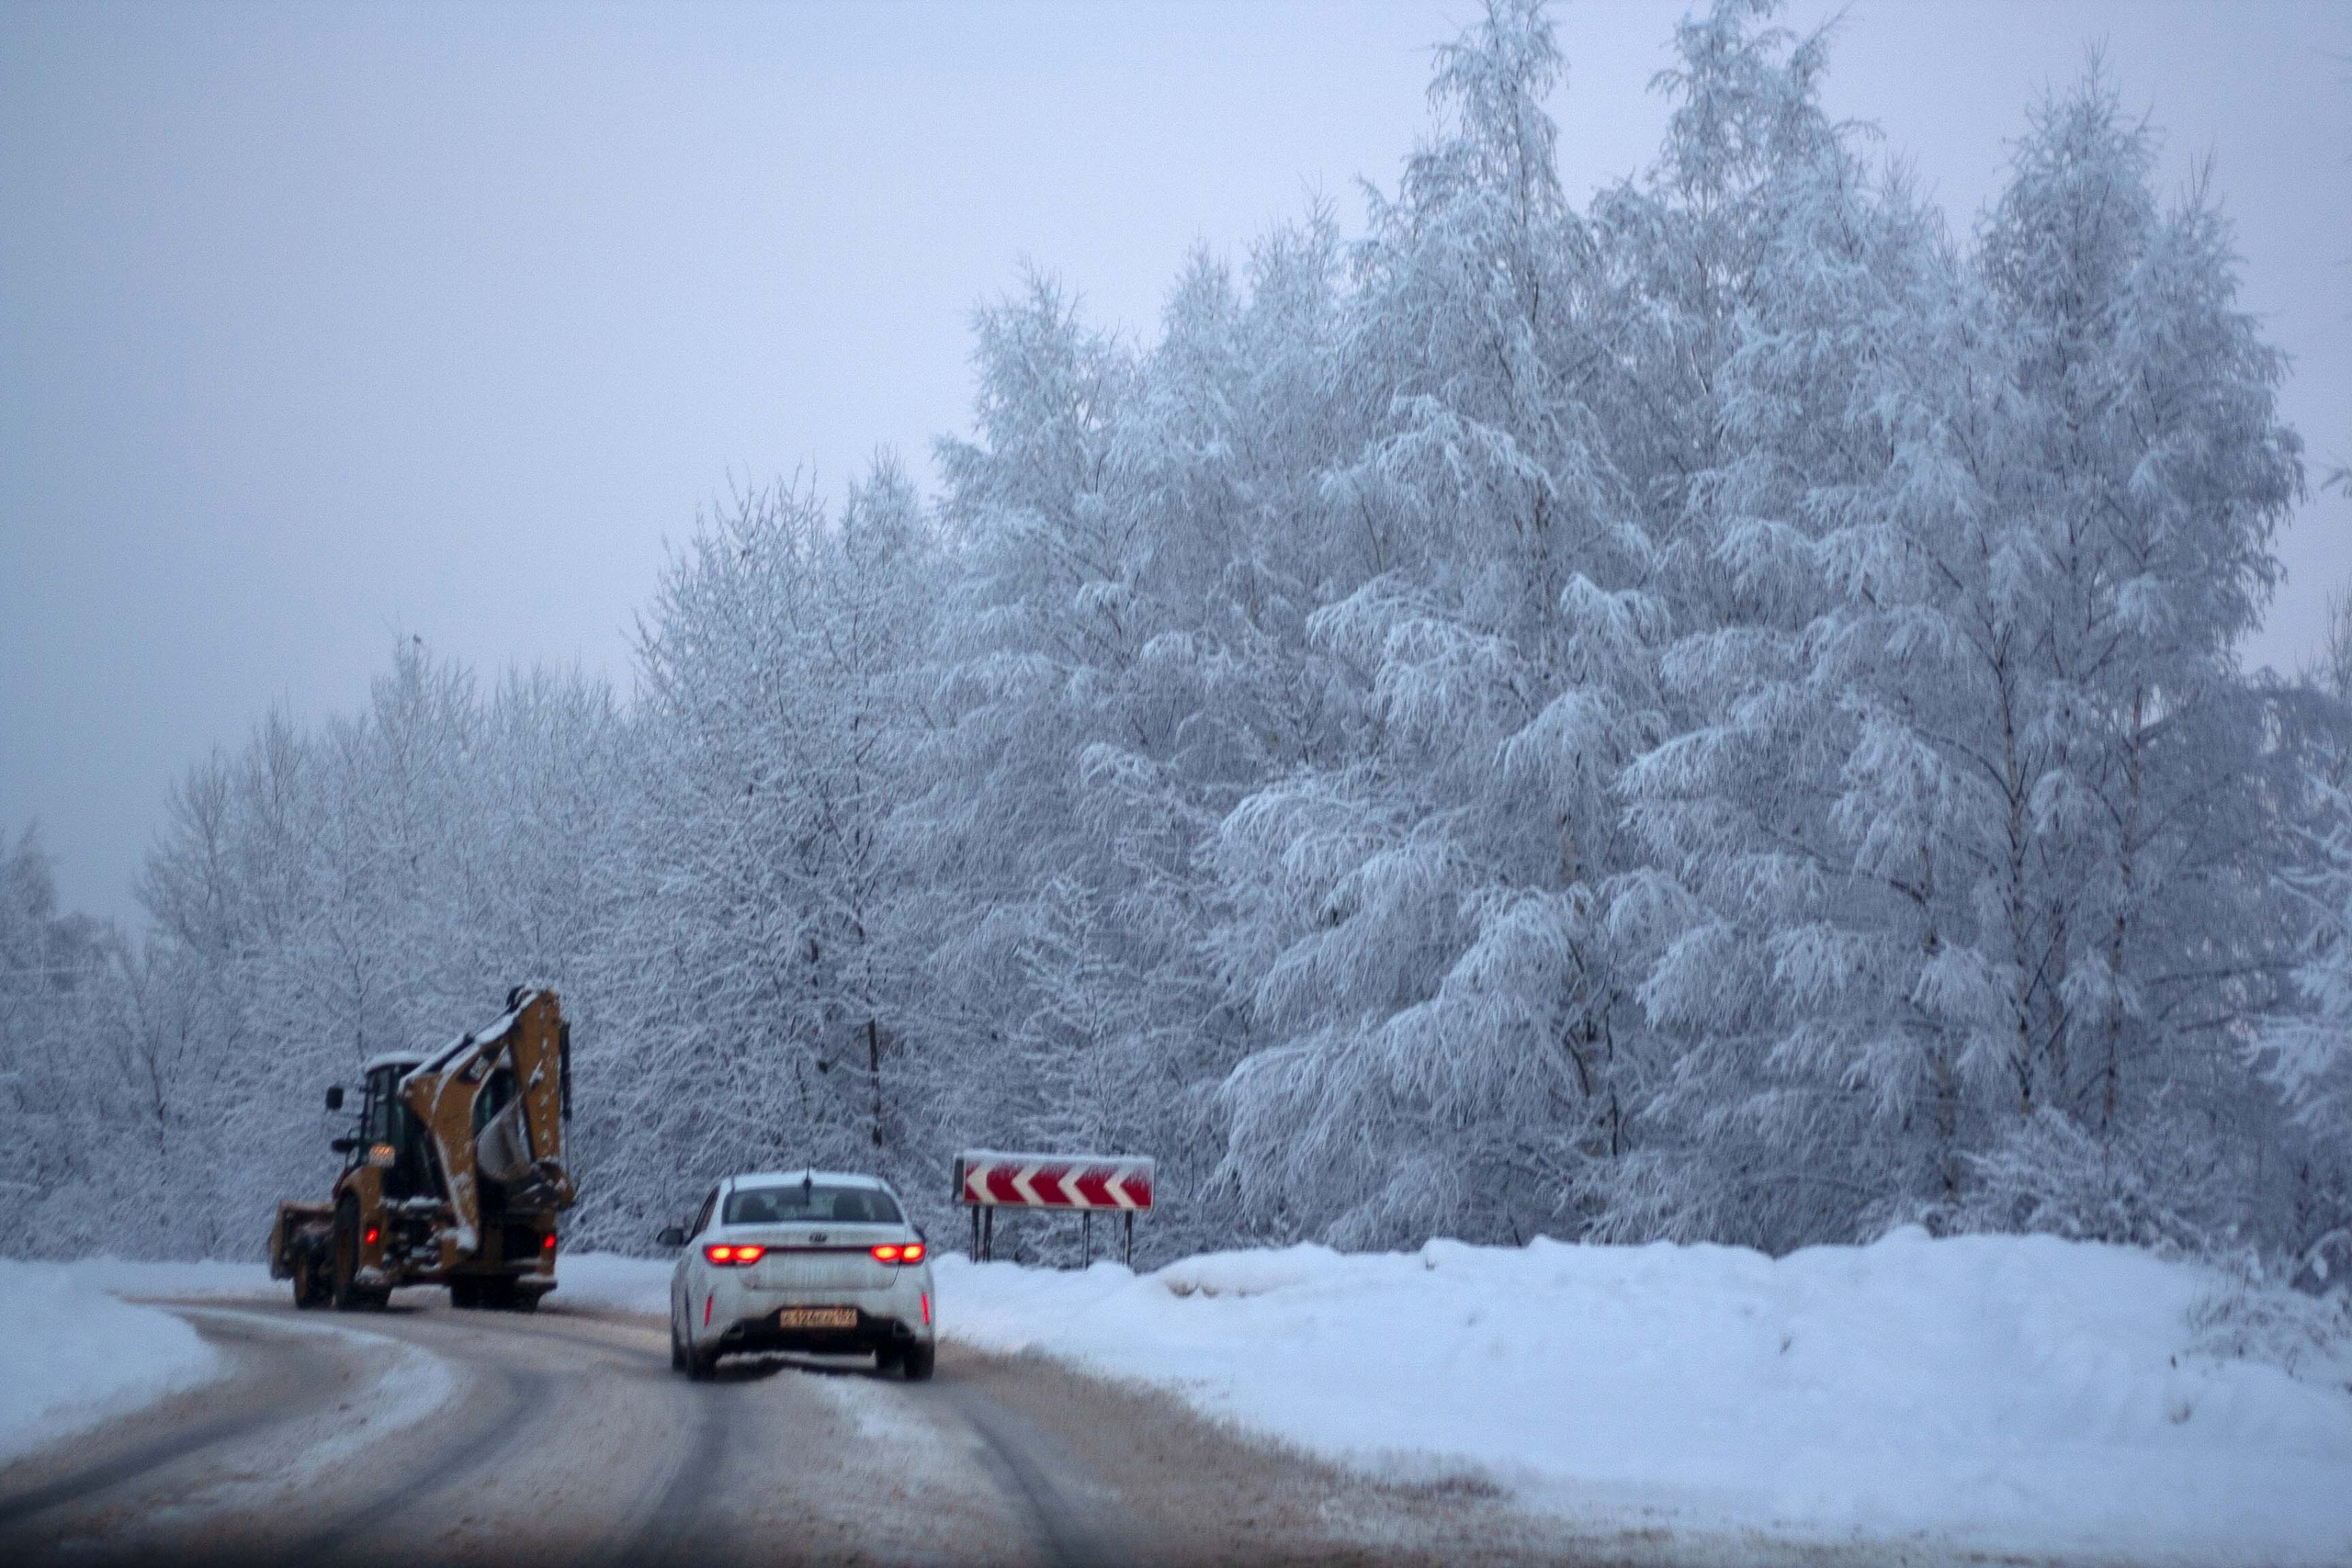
x: 421, y: 1435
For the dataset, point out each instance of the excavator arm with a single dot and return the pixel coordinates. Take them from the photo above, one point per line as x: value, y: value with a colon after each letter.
x: 492, y: 1103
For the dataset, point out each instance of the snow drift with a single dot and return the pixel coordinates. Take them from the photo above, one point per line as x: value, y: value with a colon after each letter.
x: 72, y: 1354
x: 2007, y: 1393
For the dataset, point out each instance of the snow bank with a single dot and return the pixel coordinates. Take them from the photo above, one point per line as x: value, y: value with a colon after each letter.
x: 607, y: 1282
x: 2003, y: 1394
x: 124, y: 1279
x: 72, y: 1354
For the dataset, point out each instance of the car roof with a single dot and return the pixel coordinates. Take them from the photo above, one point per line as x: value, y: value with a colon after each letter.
x: 793, y: 1177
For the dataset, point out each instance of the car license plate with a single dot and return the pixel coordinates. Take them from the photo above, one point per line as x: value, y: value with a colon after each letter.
x: 817, y: 1317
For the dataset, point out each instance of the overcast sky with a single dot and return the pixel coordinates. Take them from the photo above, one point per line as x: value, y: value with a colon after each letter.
x: 322, y: 326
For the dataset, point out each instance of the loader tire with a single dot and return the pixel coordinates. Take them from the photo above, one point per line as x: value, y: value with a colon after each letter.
x: 464, y: 1295
x: 310, y: 1287
x: 349, y: 1294
x: 494, y: 1295
x: 345, y: 1263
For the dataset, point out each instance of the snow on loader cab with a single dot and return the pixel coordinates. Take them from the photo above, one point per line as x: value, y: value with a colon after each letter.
x: 454, y: 1176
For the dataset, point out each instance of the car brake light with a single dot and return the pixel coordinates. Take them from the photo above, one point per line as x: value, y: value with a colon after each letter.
x: 891, y: 1252
x: 734, y: 1257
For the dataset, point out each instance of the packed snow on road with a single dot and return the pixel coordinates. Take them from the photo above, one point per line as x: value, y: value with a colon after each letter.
x: 1997, y: 1394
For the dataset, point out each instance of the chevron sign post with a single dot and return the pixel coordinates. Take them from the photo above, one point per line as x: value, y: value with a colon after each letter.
x: 989, y: 1180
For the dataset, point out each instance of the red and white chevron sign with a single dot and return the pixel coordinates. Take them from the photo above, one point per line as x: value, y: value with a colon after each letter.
x: 1055, y: 1181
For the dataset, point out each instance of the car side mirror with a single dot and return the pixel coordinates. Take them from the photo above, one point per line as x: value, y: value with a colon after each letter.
x: 343, y: 1146
x: 672, y: 1235
x: 335, y: 1097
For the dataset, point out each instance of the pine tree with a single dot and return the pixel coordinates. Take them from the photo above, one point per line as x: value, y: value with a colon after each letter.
x: 1419, y: 924
x: 1773, y: 280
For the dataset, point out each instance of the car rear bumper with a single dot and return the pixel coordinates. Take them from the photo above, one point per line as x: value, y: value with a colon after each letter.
x: 872, y: 1333
x: 737, y: 1317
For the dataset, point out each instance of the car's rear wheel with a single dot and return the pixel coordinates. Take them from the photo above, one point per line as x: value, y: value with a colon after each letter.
x: 677, y: 1351
x: 917, y: 1361
x: 701, y: 1365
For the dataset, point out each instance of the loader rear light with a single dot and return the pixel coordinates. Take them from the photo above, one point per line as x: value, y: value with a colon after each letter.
x: 374, y: 1235
x: 728, y: 1257
x: 892, y: 1252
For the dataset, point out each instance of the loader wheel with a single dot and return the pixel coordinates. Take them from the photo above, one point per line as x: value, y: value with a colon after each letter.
x: 310, y: 1289
x: 347, y: 1256
x: 349, y: 1294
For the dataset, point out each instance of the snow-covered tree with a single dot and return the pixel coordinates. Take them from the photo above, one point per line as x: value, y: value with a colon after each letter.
x: 777, y: 707
x: 62, y: 1028
x: 1419, y: 924
x: 2306, y: 1049
x: 1713, y: 714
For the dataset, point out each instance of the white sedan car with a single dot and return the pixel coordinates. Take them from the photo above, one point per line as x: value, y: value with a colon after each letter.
x: 813, y: 1260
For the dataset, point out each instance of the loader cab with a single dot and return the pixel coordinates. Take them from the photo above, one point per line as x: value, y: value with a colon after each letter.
x: 384, y: 1120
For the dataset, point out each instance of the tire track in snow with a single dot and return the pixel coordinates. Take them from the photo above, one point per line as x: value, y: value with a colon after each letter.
x: 285, y: 1395
x: 1029, y: 1467
x: 681, y: 1517
x: 132, y: 1464
x: 521, y: 1390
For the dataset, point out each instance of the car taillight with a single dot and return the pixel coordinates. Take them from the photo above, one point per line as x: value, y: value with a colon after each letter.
x: 734, y: 1257
x: 893, y: 1252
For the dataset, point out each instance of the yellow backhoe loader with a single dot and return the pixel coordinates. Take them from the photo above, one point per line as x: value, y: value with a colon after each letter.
x: 453, y: 1178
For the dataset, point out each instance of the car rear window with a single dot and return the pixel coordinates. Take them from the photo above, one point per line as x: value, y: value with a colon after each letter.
x: 810, y: 1202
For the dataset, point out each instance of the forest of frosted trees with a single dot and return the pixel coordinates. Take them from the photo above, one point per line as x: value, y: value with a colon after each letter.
x: 1715, y: 714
